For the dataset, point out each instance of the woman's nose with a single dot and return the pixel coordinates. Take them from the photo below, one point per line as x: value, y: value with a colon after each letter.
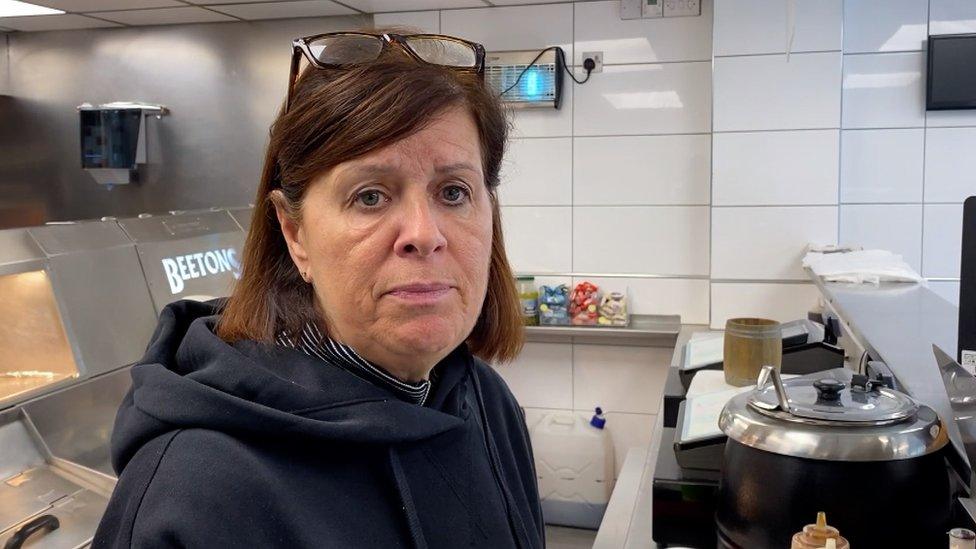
x: 420, y: 234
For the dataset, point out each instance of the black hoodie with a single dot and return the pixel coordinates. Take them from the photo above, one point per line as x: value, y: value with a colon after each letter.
x: 256, y: 445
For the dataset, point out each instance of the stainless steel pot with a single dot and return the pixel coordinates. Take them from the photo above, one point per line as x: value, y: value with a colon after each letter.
x: 867, y: 455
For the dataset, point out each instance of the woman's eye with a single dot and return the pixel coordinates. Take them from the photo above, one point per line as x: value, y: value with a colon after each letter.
x: 369, y: 198
x: 455, y: 194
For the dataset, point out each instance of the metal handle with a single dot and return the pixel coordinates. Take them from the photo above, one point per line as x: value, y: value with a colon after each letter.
x: 25, y: 531
x: 771, y: 374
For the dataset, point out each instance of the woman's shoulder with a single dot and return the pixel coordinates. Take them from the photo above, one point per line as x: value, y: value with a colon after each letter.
x: 194, y: 463
x: 177, y: 471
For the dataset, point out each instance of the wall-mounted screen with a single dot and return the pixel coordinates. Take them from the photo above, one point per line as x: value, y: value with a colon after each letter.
x: 951, y: 72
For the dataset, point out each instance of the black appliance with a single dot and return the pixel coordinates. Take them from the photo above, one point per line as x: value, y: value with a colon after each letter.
x: 684, y: 500
x: 967, y: 288
x: 951, y: 81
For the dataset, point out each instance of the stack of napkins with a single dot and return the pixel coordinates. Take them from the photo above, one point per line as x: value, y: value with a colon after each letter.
x: 862, y: 266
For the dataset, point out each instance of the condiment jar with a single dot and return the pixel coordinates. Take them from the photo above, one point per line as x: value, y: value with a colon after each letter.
x: 529, y: 300
x: 962, y: 538
x: 815, y: 536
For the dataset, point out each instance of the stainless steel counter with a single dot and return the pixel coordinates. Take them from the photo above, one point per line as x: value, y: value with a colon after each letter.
x: 898, y: 323
x: 644, y: 330
x: 627, y: 522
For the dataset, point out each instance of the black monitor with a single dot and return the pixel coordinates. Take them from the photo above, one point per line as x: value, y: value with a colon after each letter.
x: 967, y: 286
x: 951, y: 82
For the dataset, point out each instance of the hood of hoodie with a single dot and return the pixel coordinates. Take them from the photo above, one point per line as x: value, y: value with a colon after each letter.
x: 190, y: 378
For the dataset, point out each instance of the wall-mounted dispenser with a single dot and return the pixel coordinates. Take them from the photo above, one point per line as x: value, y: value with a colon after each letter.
x: 526, y: 78
x: 113, y: 140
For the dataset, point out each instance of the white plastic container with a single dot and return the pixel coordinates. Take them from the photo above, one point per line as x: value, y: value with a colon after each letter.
x: 574, y: 462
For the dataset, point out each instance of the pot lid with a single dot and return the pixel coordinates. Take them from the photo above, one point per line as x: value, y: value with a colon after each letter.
x: 827, y: 398
x: 833, y: 415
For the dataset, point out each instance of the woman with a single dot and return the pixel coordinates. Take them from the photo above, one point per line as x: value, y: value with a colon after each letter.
x: 336, y: 398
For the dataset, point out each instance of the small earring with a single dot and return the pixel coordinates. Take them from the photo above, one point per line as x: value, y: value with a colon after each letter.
x: 305, y: 276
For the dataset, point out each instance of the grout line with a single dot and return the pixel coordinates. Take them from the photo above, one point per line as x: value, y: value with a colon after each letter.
x: 761, y: 281
x: 778, y: 130
x: 925, y: 136
x: 899, y: 203
x: 598, y: 136
x: 899, y: 128
x: 923, y: 127
x: 711, y: 171
x: 572, y: 151
x: 744, y: 206
x: 891, y: 52
x: 604, y: 205
x: 572, y: 201
x: 545, y: 274
x: 782, y: 53
x: 840, y: 135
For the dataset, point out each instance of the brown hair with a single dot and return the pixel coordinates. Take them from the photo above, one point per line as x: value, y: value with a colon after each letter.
x: 338, y: 115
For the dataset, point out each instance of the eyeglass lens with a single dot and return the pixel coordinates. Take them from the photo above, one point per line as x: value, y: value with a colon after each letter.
x: 344, y: 49
x: 443, y: 52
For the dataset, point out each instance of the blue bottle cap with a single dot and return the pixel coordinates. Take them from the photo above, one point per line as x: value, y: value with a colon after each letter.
x: 598, y: 420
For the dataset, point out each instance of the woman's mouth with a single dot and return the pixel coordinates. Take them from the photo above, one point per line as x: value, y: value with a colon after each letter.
x: 421, y: 293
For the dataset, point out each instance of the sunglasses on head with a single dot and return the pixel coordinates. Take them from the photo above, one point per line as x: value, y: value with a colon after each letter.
x: 343, y: 49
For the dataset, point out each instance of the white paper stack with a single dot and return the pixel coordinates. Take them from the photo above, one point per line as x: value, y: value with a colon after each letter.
x: 860, y: 267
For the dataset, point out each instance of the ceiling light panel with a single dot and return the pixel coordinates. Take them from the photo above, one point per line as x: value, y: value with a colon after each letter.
x: 14, y: 8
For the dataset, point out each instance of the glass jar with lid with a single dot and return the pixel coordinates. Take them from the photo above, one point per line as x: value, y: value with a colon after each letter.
x: 528, y: 299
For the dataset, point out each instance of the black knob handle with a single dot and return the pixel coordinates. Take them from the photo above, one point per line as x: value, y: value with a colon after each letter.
x: 40, y: 523
x: 828, y: 388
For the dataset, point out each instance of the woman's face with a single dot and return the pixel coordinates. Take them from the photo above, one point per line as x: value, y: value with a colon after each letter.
x: 397, y: 245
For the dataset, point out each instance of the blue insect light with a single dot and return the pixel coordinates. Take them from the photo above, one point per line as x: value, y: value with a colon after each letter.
x: 531, y: 87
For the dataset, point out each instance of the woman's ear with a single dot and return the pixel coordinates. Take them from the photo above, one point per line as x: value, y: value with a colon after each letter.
x: 292, y: 231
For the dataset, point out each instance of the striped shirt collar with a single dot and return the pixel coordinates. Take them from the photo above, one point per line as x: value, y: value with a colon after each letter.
x: 314, y: 343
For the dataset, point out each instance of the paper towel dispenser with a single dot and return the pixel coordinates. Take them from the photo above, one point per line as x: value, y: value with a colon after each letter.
x: 113, y: 140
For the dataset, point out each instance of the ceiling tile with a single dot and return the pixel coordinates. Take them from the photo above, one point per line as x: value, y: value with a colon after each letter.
x: 165, y: 16
x: 79, y: 6
x: 212, y: 2
x: 282, y: 10
x: 52, y: 22
x: 375, y: 6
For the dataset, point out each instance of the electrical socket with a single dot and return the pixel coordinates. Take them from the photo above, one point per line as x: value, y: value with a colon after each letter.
x: 682, y: 8
x: 597, y: 57
x: 630, y: 9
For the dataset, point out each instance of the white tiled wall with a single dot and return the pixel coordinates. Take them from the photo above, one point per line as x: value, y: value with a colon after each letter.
x: 767, y: 92
x: 776, y: 152
x: 904, y: 180
x: 760, y: 26
x: 884, y: 90
x: 882, y: 165
x: 767, y: 243
x: 641, y: 169
x: 901, y: 173
x: 775, y: 168
x: 893, y: 227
